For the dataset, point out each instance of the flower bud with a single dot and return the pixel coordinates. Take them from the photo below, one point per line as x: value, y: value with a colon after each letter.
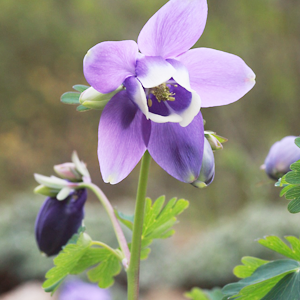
x: 207, y: 172
x: 67, y: 171
x: 93, y: 99
x: 281, y: 155
x: 58, y: 220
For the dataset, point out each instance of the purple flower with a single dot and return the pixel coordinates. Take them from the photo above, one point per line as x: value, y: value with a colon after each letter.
x: 58, y: 220
x: 79, y: 290
x: 165, y: 84
x: 281, y: 155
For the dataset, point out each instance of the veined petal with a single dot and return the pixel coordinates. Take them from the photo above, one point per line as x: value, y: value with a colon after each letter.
x: 182, y: 74
x: 218, y: 77
x: 108, y: 64
x: 178, y: 150
x: 153, y: 70
x: 174, y: 28
x: 123, y: 136
x: 137, y: 94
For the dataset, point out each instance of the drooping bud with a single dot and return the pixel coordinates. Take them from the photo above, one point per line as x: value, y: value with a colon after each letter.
x: 93, y: 99
x: 207, y: 172
x: 68, y: 171
x: 215, y: 140
x: 281, y: 155
x: 58, y: 220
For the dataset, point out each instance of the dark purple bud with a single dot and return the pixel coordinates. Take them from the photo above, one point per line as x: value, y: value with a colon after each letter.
x: 58, y: 220
x: 281, y: 155
x: 207, y: 172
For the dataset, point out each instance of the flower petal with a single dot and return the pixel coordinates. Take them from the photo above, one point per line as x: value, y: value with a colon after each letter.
x: 137, y: 94
x: 174, y: 28
x: 123, y: 136
x: 218, y: 77
x: 108, y: 64
x: 178, y: 150
x: 153, y: 70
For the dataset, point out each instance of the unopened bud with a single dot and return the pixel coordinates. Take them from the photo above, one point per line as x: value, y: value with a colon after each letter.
x: 215, y: 140
x: 281, y: 155
x: 93, y: 99
x: 67, y: 171
x: 207, y: 172
x: 57, y: 221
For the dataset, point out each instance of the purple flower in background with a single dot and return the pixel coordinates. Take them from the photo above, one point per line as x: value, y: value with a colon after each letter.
x: 79, y: 290
x: 58, y: 220
x: 165, y: 84
x: 281, y: 155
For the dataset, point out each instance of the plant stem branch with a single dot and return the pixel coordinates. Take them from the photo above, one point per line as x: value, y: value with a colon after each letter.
x: 133, y: 271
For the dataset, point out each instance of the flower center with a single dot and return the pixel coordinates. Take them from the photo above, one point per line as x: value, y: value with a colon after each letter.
x: 161, y: 93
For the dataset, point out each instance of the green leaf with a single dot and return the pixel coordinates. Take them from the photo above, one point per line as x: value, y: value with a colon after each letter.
x: 125, y: 219
x: 82, y: 108
x: 259, y: 284
x: 159, y: 220
x: 66, y: 261
x: 70, y: 98
x: 80, y: 87
x: 276, y: 244
x: 293, y: 177
x: 198, y: 294
x: 288, y: 288
x: 295, y: 166
x: 250, y: 264
x: 294, y: 206
x: 293, y: 193
x: 297, y: 141
x: 286, y: 188
x: 106, y: 270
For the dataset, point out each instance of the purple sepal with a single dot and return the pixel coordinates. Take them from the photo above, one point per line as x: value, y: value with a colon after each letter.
x: 281, y: 155
x: 178, y: 150
x: 58, y: 220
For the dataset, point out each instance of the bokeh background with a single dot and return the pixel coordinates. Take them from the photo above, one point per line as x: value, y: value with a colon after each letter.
x: 42, y: 46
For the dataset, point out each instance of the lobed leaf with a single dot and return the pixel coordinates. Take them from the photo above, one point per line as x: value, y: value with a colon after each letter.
x: 198, y: 294
x: 250, y: 264
x: 66, y: 261
x: 276, y: 244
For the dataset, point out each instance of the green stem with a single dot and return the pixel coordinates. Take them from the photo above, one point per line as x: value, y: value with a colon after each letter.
x: 110, y: 211
x: 133, y: 271
x: 103, y: 245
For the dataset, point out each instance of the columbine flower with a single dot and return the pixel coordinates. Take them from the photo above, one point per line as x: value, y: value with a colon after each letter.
x: 281, y: 155
x: 165, y: 84
x: 58, y: 220
x: 79, y: 290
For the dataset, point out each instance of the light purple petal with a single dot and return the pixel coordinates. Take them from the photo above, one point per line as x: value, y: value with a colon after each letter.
x: 173, y: 29
x: 178, y: 150
x: 153, y: 71
x: 218, y: 77
x: 137, y: 94
x: 182, y: 74
x: 108, y: 64
x: 123, y: 136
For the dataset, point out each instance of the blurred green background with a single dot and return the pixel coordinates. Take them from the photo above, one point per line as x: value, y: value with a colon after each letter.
x: 42, y: 47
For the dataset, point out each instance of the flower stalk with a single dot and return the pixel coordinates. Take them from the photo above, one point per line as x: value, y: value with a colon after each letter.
x: 134, y: 266
x: 110, y: 211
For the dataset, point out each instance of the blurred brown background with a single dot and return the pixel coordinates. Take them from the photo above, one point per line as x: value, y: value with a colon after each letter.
x: 42, y: 46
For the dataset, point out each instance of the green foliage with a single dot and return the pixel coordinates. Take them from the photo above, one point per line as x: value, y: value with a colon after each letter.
x: 73, y: 97
x: 77, y: 256
x: 291, y: 185
x: 198, y: 294
x: 158, y: 221
x: 264, y: 280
